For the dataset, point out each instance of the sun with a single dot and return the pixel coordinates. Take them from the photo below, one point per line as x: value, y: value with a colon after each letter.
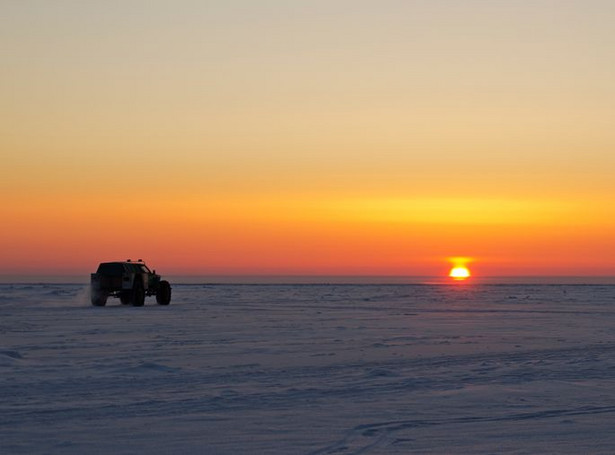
x: 459, y: 272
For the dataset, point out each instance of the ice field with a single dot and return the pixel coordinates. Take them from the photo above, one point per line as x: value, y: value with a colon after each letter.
x: 310, y: 369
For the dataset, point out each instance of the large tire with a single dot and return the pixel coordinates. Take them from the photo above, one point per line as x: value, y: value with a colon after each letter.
x: 99, y: 298
x: 138, y: 293
x: 163, y: 296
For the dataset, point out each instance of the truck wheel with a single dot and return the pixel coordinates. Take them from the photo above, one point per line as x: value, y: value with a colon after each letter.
x: 163, y: 296
x: 125, y: 297
x: 138, y: 293
x: 98, y: 298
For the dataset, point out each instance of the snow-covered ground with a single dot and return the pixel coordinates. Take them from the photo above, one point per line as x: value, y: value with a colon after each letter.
x: 310, y: 369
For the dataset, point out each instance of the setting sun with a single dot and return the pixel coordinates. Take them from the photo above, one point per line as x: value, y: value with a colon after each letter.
x: 459, y: 273
x: 459, y: 270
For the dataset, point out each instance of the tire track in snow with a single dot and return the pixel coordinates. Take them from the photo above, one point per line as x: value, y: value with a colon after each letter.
x: 362, y: 438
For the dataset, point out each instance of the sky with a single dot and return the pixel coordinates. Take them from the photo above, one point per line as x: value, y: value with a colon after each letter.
x: 308, y: 137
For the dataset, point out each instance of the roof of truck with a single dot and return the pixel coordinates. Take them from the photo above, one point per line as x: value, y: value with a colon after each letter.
x: 118, y: 267
x: 129, y: 261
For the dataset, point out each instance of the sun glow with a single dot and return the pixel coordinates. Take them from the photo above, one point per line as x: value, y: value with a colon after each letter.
x: 459, y: 271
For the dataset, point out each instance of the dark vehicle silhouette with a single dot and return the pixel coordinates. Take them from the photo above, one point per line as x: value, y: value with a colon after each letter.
x: 131, y: 281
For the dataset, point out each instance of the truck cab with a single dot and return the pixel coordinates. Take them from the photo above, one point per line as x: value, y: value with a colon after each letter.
x: 130, y: 281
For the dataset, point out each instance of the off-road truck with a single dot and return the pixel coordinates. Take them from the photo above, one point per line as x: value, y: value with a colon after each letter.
x: 131, y: 281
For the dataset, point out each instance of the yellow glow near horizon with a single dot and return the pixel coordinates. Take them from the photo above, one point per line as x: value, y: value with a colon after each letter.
x: 459, y: 273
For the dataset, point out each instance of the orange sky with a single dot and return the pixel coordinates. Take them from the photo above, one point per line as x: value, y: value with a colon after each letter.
x: 338, y: 137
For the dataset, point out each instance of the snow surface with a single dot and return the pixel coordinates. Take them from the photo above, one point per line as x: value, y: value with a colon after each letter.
x: 310, y: 369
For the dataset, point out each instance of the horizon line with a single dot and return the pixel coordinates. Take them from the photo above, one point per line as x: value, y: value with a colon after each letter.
x: 289, y: 279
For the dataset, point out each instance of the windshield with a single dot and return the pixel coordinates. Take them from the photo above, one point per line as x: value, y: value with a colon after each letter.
x: 111, y: 268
